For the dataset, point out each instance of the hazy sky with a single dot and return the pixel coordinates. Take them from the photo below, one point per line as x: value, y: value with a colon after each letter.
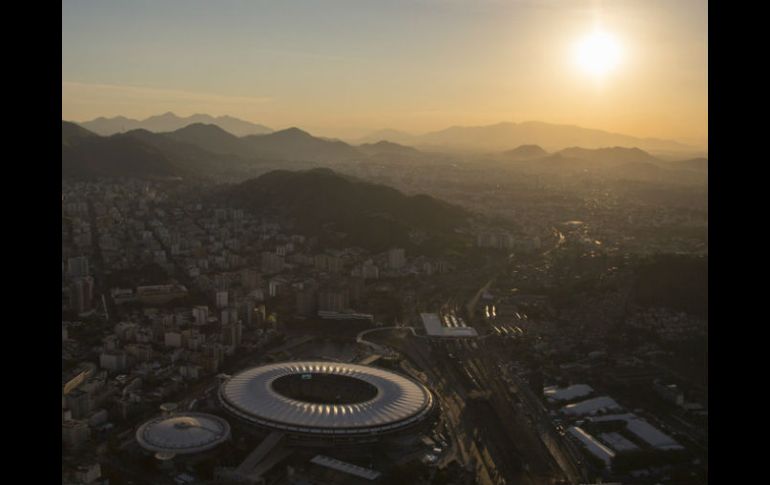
x: 347, y: 67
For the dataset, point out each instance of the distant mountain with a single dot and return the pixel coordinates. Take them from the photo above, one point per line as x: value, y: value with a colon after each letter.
x: 171, y: 122
x: 502, y: 136
x: 363, y: 214
x: 118, y: 156
x: 611, y: 155
x: 387, y: 148
x: 558, y: 163
x: 212, y: 139
x: 295, y: 144
x: 188, y: 156
x: 389, y: 135
x: 72, y: 133
x: 201, y: 149
x: 612, y: 163
x: 525, y: 152
x: 137, y: 153
x: 699, y: 164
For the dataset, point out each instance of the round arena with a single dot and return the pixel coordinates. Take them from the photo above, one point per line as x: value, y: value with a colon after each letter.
x: 327, y: 400
x: 183, y: 433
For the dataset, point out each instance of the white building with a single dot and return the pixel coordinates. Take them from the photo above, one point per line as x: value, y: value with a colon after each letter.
x: 396, y: 258
x: 113, y: 360
x: 200, y: 315
x: 593, y: 446
x: 222, y: 299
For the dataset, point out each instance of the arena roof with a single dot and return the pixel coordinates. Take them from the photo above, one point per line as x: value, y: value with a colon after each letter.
x: 183, y: 433
x: 326, y: 398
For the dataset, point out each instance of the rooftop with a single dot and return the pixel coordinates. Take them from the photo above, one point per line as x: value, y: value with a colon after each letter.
x: 183, y: 433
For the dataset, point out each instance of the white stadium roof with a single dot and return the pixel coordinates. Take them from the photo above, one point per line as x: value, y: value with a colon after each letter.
x: 183, y: 433
x: 395, y: 403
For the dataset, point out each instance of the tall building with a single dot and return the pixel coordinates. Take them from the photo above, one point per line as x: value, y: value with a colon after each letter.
x: 272, y: 263
x: 200, y: 315
x: 222, y: 299
x: 246, y: 310
x: 228, y: 315
x: 498, y: 239
x: 82, y: 294
x: 250, y: 279
x: 77, y: 267
x: 356, y: 288
x: 396, y: 258
x: 307, y: 301
x: 232, y: 334
x: 329, y: 263
x: 74, y: 433
x: 79, y: 403
x: 334, y: 299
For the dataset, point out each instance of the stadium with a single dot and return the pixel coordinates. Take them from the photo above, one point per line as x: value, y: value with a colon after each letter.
x: 327, y: 401
x: 185, y: 433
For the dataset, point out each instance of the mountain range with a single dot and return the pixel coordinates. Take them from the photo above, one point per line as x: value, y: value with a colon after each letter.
x: 170, y: 122
x: 85, y: 154
x: 618, y: 163
x: 205, y: 149
x: 504, y: 136
x: 196, y: 149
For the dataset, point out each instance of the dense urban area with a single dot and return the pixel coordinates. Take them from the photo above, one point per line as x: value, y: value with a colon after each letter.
x: 556, y: 321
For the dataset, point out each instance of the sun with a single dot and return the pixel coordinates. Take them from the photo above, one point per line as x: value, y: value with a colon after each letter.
x: 598, y: 53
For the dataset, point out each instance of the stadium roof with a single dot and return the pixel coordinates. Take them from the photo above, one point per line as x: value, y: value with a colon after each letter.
x: 183, y: 433
x: 395, y: 401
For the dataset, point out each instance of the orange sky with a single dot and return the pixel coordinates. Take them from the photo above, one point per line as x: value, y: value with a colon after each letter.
x: 348, y: 67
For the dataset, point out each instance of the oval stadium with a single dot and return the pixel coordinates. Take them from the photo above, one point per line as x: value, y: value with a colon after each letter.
x: 327, y: 400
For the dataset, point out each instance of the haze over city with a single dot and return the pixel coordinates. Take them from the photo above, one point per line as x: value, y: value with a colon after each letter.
x: 359, y: 242
x: 347, y: 68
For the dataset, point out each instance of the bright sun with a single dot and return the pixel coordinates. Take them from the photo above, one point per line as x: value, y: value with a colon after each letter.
x: 598, y: 53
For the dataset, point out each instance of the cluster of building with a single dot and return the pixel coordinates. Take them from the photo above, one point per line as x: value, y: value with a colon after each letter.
x: 498, y: 238
x: 616, y: 440
x: 160, y: 293
x: 669, y: 325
